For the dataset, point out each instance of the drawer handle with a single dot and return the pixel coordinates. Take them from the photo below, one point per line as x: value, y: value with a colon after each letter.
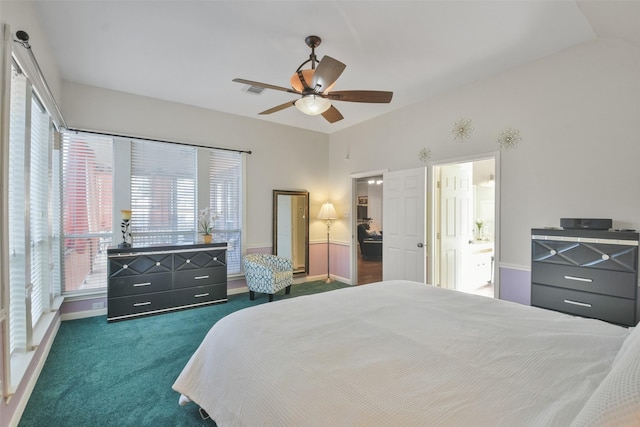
x: 581, y: 304
x: 142, y: 284
x: 201, y: 295
x: 140, y: 304
x: 579, y: 279
x: 201, y: 277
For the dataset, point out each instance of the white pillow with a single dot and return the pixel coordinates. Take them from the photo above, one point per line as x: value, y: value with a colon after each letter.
x: 616, y: 401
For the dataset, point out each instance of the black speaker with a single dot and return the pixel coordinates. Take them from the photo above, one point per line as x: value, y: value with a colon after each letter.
x: 586, y: 223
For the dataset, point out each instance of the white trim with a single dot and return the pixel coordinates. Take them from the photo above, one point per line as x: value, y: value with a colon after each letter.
x: 369, y: 173
x: 260, y: 246
x: 431, y: 182
x: 83, y: 314
x: 507, y: 266
x: 100, y: 294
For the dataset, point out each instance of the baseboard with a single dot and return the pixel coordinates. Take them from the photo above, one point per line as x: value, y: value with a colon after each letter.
x: 324, y: 277
x: 83, y: 314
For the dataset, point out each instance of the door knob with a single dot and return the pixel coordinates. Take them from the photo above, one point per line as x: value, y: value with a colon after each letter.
x: 420, y: 245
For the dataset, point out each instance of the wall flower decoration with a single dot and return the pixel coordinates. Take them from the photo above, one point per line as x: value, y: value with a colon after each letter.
x: 461, y: 129
x: 424, y: 155
x: 508, y: 138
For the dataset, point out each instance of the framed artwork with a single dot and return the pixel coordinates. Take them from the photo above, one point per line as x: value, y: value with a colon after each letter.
x: 362, y: 200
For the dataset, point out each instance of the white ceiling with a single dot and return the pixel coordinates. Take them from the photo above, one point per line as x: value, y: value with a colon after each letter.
x: 189, y: 51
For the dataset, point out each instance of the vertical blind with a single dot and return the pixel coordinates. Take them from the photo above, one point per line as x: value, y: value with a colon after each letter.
x: 163, y: 193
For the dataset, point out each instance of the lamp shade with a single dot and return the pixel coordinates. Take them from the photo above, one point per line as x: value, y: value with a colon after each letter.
x: 312, y: 104
x: 328, y: 212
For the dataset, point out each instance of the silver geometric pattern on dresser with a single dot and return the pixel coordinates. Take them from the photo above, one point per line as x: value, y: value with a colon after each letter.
x: 140, y: 264
x: 201, y: 259
x: 582, y: 254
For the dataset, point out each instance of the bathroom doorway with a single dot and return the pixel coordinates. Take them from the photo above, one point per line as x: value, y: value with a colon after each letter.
x: 463, y: 209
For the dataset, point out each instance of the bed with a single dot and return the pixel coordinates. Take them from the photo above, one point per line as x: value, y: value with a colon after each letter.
x: 400, y: 353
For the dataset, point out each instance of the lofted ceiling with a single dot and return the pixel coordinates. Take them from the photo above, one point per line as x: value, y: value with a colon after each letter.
x: 189, y: 51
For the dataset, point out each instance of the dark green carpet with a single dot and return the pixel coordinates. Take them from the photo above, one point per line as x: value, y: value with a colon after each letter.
x: 120, y: 374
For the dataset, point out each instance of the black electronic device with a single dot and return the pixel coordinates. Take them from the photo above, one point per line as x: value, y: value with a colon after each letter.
x: 586, y: 223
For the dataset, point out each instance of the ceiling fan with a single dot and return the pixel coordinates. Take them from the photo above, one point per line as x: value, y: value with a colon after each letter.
x: 315, y: 86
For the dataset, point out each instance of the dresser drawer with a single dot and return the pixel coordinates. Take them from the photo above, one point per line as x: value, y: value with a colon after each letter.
x: 601, y: 255
x: 608, y: 308
x: 140, y: 284
x: 200, y: 277
x: 201, y: 259
x: 200, y: 294
x: 125, y: 306
x: 132, y: 265
x: 607, y: 282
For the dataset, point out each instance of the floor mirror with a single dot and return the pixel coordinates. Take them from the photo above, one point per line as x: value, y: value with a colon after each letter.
x: 291, y: 228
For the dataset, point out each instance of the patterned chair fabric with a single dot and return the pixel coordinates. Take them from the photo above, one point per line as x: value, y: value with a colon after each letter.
x: 267, y: 274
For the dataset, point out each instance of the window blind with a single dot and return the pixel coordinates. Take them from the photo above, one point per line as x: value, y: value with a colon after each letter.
x: 163, y: 193
x: 39, y: 172
x: 225, y: 197
x: 86, y: 193
x: 16, y: 211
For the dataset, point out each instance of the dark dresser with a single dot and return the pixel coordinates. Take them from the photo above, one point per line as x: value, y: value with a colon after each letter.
x: 589, y: 273
x: 151, y: 280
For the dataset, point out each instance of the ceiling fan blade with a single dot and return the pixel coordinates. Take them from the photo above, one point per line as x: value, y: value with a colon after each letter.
x: 278, y: 107
x: 374, y: 96
x: 266, y: 85
x: 332, y: 115
x: 327, y: 73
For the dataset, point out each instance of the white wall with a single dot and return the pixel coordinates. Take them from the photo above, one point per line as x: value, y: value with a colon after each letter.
x: 577, y: 112
x: 22, y: 16
x: 283, y: 158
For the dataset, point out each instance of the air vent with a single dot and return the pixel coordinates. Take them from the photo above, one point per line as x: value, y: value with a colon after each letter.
x: 255, y: 90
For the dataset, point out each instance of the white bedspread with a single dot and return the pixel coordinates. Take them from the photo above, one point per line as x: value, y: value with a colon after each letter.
x: 398, y: 353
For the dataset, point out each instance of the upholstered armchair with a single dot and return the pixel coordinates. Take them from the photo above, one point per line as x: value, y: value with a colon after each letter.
x: 267, y: 274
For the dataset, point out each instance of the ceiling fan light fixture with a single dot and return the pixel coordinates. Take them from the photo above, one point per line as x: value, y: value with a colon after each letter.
x: 312, y: 104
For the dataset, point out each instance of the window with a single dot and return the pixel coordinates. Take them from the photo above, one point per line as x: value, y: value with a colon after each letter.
x: 225, y: 199
x: 87, y: 181
x: 17, y: 207
x: 32, y: 279
x: 39, y: 198
x: 163, y: 193
x: 163, y: 184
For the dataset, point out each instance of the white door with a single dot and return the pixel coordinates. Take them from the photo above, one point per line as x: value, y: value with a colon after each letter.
x: 404, y: 225
x: 455, y: 221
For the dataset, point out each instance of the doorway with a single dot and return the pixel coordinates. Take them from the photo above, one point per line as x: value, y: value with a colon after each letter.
x: 463, y: 209
x: 367, y: 226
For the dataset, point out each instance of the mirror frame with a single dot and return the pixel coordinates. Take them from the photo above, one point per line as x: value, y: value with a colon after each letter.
x: 277, y: 193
